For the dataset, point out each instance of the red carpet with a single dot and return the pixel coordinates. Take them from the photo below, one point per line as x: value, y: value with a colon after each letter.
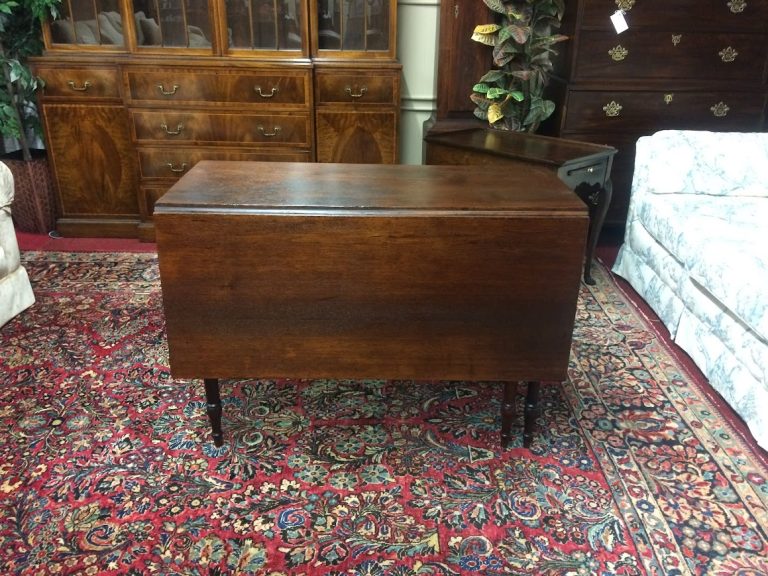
x: 107, y: 467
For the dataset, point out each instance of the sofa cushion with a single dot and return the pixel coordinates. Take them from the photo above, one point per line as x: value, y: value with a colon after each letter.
x: 720, y: 242
x: 706, y: 163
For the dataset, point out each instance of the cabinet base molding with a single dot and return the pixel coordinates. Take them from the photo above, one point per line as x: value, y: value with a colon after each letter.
x: 101, y: 228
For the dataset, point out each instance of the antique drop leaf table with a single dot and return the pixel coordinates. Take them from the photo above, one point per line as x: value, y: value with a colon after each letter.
x: 370, y: 271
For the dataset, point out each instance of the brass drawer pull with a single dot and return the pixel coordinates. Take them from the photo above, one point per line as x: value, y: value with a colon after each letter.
x: 625, y: 5
x: 275, y: 131
x: 274, y: 91
x: 177, y: 170
x: 612, y: 109
x: 83, y: 88
x: 676, y: 38
x: 668, y: 98
x: 165, y: 92
x: 176, y: 132
x: 358, y: 94
x: 728, y: 54
x: 737, y: 6
x: 720, y: 109
x: 618, y: 53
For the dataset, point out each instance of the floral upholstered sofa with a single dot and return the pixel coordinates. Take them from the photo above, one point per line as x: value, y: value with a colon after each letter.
x: 696, y: 249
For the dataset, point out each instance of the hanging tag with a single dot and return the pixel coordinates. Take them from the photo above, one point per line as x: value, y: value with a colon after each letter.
x: 619, y: 22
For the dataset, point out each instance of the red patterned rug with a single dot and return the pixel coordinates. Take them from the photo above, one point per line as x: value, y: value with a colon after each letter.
x: 106, y: 463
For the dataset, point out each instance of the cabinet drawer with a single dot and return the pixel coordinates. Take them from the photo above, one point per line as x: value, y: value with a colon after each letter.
x: 623, y: 111
x: 174, y: 162
x: 659, y: 55
x: 79, y: 82
x: 621, y: 170
x: 362, y: 88
x: 749, y: 15
x: 188, y: 86
x: 233, y: 129
x: 584, y: 172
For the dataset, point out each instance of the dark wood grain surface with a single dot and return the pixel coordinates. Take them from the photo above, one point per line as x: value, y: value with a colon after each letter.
x: 324, y: 270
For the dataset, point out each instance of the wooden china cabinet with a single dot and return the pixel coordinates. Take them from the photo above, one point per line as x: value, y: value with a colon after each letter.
x: 138, y: 91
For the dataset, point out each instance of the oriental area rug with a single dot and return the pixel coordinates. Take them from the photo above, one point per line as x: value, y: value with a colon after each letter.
x: 107, y: 467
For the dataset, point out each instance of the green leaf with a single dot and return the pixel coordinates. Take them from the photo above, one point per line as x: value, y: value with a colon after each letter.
x: 496, y: 76
x: 495, y: 5
x: 480, y: 101
x: 519, y: 34
x: 495, y: 93
x: 481, y: 88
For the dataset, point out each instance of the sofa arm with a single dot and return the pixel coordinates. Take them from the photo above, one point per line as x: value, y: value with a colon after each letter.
x: 6, y: 189
x: 700, y: 162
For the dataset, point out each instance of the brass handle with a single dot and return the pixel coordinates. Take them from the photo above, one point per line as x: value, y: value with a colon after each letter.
x: 612, y: 109
x: 737, y: 6
x: 177, y: 170
x: 85, y: 86
x: 720, y: 109
x: 275, y: 131
x: 165, y: 92
x: 618, y: 53
x: 274, y: 91
x: 176, y: 132
x: 625, y: 5
x: 668, y: 98
x: 358, y: 94
x: 728, y: 54
x: 676, y: 38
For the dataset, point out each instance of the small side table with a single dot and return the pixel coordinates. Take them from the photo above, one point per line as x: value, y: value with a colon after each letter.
x: 584, y: 167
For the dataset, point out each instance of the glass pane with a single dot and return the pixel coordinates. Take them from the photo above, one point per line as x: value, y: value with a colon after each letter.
x: 360, y: 25
x: 264, y: 24
x: 89, y: 22
x: 172, y: 23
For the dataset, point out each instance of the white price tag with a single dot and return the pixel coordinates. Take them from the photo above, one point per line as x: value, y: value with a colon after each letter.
x: 619, y: 22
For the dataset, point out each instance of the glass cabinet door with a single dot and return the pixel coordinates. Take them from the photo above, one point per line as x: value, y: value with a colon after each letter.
x: 89, y: 22
x: 265, y: 25
x: 353, y: 25
x: 173, y: 23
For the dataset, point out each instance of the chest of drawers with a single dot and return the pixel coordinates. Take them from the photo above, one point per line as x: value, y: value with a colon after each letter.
x: 682, y: 64
x: 180, y: 115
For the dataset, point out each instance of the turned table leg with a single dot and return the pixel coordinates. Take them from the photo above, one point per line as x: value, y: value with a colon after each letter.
x: 531, y: 412
x: 507, y: 413
x: 213, y: 407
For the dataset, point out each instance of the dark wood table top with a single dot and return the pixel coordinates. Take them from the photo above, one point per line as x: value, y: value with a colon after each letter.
x: 520, y: 145
x: 237, y: 187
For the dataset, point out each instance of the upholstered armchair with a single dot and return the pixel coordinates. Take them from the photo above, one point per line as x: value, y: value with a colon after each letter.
x: 15, y: 290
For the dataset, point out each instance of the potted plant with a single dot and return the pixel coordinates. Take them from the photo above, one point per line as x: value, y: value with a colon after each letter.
x: 511, y: 95
x: 20, y: 37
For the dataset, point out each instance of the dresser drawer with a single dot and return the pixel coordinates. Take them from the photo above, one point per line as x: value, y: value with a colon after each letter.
x: 647, y: 111
x: 747, y: 15
x: 158, y: 162
x: 642, y: 53
x: 220, y: 87
x: 233, y: 129
x: 333, y: 87
x: 79, y: 82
